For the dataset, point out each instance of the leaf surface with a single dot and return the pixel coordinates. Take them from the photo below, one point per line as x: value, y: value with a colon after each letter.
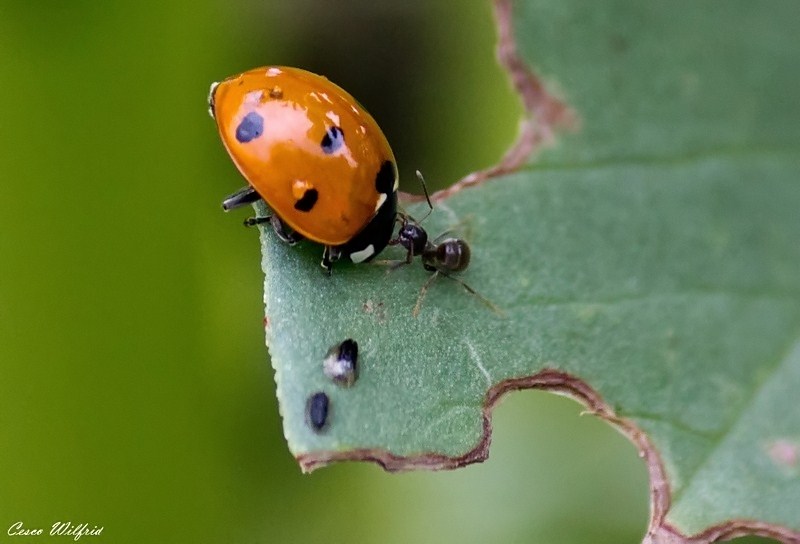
x: 648, y: 264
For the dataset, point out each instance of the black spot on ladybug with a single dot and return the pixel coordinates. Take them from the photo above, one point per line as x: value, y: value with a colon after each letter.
x: 384, y: 181
x: 332, y: 141
x: 317, y: 410
x: 307, y: 201
x: 251, y: 127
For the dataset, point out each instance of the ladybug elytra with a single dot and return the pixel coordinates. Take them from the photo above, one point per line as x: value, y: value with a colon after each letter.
x: 314, y: 155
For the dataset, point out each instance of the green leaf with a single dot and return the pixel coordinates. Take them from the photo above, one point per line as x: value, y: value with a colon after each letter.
x: 648, y: 265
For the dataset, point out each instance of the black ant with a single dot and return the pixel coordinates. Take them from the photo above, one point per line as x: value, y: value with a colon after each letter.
x: 444, y: 257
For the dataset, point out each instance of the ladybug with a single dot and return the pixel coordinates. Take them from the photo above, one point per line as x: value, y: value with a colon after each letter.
x: 314, y: 155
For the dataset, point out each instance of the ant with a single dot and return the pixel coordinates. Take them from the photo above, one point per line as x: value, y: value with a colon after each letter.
x: 444, y: 257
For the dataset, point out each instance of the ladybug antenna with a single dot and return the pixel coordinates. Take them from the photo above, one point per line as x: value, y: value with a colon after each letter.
x: 427, y: 197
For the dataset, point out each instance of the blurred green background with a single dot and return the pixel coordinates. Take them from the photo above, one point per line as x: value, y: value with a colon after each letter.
x: 135, y: 389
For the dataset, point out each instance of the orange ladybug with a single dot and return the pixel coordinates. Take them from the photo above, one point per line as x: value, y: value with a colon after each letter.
x: 314, y: 155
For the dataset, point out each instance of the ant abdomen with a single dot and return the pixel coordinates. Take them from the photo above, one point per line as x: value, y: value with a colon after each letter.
x: 450, y: 255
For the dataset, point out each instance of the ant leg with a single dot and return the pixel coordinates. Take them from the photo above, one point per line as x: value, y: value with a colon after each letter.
x: 462, y: 226
x: 394, y: 264
x: 409, y: 258
x: 402, y: 219
x: 443, y: 235
x: 477, y: 295
x: 422, y: 292
x: 242, y: 197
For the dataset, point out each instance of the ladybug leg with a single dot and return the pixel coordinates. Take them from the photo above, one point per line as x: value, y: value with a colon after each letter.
x: 253, y: 221
x: 329, y: 256
x: 285, y: 235
x: 240, y: 198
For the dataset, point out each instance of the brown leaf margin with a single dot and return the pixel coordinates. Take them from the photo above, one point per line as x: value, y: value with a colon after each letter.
x: 544, y: 113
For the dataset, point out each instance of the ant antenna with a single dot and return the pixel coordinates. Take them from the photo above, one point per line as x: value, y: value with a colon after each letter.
x: 404, y: 217
x: 427, y: 197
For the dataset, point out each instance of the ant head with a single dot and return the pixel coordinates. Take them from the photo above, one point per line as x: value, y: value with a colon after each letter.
x: 412, y: 237
x: 411, y: 234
